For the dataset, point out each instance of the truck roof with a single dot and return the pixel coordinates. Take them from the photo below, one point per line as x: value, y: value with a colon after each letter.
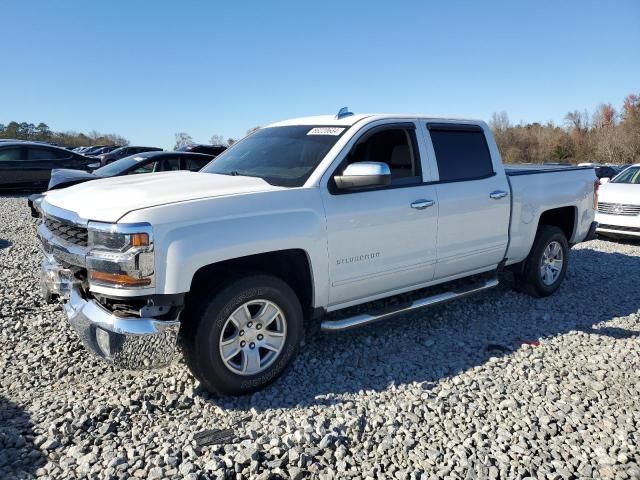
x: 330, y: 120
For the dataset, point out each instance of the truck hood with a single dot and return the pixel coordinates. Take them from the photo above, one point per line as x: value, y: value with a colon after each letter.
x: 108, y: 199
x: 627, y: 193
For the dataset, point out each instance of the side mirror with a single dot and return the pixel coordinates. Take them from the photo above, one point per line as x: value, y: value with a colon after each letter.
x: 362, y: 175
x: 604, y: 180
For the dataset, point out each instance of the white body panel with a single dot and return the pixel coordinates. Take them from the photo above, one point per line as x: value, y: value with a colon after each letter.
x: 199, y: 219
x: 534, y: 194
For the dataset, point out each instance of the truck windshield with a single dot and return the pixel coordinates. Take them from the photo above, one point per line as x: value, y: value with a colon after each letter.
x: 283, y: 156
x: 630, y: 175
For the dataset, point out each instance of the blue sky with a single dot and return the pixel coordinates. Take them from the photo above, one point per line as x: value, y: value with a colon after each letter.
x: 149, y: 69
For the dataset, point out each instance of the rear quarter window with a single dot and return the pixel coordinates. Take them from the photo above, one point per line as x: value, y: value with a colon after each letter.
x: 461, y: 153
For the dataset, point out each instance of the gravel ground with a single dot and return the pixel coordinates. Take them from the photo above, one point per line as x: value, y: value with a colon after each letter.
x: 460, y: 391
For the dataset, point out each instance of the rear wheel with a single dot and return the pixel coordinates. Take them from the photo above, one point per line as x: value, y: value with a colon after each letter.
x: 245, y: 336
x: 545, y: 268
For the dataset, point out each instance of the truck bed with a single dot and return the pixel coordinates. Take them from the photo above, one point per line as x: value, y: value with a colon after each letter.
x: 568, y: 187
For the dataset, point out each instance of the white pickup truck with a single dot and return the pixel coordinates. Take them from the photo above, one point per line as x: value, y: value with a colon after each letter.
x: 301, y: 218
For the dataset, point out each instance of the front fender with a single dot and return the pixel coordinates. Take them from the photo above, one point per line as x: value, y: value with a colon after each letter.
x: 192, y: 235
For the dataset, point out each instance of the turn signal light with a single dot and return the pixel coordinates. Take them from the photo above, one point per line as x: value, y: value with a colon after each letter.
x: 140, y: 239
x: 118, y: 279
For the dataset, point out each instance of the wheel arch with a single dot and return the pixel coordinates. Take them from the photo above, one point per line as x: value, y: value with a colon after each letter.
x: 293, y: 266
x: 565, y: 218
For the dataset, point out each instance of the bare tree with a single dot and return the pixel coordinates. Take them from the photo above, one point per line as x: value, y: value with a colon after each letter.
x: 182, y: 139
x: 577, y: 120
x: 216, y: 140
x: 499, y: 122
x: 231, y: 141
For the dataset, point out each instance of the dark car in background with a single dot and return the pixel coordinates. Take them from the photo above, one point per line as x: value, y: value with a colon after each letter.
x: 100, y: 150
x: 214, y: 150
x: 92, y: 150
x: 147, y: 162
x: 28, y: 165
x: 607, y: 171
x: 122, y: 152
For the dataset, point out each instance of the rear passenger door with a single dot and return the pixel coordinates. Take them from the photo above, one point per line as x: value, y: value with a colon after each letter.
x: 473, y: 200
x: 40, y: 162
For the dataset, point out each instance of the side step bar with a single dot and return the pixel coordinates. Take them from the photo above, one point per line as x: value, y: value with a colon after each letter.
x: 365, y: 318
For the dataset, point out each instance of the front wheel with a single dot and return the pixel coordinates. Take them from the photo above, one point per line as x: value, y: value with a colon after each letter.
x: 245, y: 336
x: 546, y: 266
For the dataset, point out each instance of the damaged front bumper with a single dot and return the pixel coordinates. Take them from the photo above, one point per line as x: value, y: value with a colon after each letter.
x: 126, y: 341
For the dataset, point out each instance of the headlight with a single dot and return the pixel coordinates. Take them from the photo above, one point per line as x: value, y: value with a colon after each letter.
x: 120, y: 255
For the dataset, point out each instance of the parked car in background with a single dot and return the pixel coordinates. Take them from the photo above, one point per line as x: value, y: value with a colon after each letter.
x: 28, y: 165
x: 606, y: 171
x: 101, y: 150
x: 618, y: 213
x: 146, y: 162
x: 93, y: 149
x: 122, y: 152
x: 303, y: 217
x: 202, y: 148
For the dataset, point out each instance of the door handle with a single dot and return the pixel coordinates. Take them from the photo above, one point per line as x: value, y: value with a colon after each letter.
x: 422, y: 204
x: 498, y: 194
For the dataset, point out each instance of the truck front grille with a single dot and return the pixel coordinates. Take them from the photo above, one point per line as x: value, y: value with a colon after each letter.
x: 618, y: 209
x: 67, y: 232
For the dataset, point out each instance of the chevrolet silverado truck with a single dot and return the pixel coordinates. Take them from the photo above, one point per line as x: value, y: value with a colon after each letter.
x: 225, y: 266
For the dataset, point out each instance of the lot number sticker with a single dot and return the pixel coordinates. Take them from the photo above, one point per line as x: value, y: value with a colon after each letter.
x: 326, y: 131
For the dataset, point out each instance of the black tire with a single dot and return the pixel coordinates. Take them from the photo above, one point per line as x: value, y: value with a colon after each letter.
x: 201, y: 339
x: 528, y: 278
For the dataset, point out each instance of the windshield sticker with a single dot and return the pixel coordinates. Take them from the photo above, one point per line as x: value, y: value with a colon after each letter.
x: 335, y: 131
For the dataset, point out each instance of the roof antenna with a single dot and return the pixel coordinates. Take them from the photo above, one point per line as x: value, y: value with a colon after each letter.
x: 343, y: 112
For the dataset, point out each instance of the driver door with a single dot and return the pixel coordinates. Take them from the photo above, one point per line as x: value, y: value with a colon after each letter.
x: 381, y: 239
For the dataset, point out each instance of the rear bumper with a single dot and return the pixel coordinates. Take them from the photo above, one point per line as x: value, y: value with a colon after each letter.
x: 127, y: 342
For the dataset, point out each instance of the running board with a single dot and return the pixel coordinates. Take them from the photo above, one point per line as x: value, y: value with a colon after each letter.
x: 365, y: 318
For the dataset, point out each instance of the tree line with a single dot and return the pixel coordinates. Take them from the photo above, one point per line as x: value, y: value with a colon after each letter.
x: 42, y: 133
x: 184, y: 139
x: 606, y: 136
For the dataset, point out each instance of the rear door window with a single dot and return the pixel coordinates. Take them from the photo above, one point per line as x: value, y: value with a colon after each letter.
x: 147, y: 167
x: 461, y: 152
x: 170, y: 164
x: 195, y: 164
x: 46, y: 154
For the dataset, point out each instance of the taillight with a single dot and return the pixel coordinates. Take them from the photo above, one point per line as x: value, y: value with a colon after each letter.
x: 596, y: 187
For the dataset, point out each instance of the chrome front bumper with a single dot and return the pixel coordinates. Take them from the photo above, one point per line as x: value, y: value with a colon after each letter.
x: 128, y: 342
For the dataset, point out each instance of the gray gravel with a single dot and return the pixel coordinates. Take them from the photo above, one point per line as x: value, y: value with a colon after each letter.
x: 453, y: 392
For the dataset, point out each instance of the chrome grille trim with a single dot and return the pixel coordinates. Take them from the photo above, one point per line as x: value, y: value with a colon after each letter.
x: 618, y: 209
x: 67, y: 231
